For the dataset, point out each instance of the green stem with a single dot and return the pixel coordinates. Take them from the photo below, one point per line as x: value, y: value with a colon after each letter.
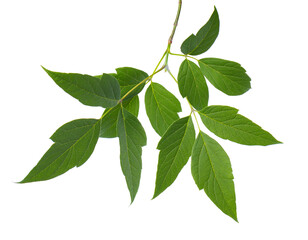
x: 144, y: 80
x: 162, y: 58
x: 197, y: 121
x: 105, y: 113
x: 172, y: 75
x: 182, y: 55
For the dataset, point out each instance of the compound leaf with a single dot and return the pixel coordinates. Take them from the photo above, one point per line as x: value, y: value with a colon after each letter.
x: 192, y: 84
x: 175, y: 149
x: 227, y: 76
x: 129, y: 78
x: 89, y: 90
x: 211, y: 170
x: 74, y: 144
x: 162, y: 107
x: 109, y: 121
x: 132, y: 137
x: 204, y: 39
x: 226, y: 123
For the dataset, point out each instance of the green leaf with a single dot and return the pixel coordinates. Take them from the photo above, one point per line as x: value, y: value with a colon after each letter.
x: 132, y: 137
x: 74, y: 144
x: 211, y: 170
x: 129, y: 78
x: 204, y: 39
x: 192, y: 84
x: 91, y: 91
x: 229, y: 77
x: 226, y: 123
x: 162, y: 107
x: 111, y: 74
x: 176, y: 146
x: 109, y: 121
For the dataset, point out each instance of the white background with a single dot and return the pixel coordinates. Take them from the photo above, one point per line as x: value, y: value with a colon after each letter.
x: 269, y: 38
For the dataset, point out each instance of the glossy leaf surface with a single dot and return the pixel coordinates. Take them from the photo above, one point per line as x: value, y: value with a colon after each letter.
x: 162, y: 107
x: 227, y: 76
x: 211, y: 170
x: 91, y: 91
x: 226, y: 123
x: 132, y: 137
x: 192, y: 84
x: 74, y: 143
x: 175, y: 149
x: 204, y: 39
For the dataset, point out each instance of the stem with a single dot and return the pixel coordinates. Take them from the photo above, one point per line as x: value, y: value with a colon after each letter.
x: 197, y: 121
x: 105, y: 113
x: 168, y: 70
x: 144, y: 80
x: 162, y: 58
x: 175, y: 24
x: 173, y: 31
x: 182, y: 55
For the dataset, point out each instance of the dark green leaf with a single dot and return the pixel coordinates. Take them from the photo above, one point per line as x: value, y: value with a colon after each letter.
x: 129, y: 78
x: 161, y: 107
x: 226, y: 123
x: 74, y: 143
x: 211, y: 169
x: 204, y: 39
x: 91, y: 91
x: 109, y: 121
x: 192, y: 84
x: 175, y: 145
x: 132, y: 137
x: 229, y: 77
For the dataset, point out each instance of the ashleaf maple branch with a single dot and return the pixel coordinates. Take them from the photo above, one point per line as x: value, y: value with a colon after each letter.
x: 118, y: 93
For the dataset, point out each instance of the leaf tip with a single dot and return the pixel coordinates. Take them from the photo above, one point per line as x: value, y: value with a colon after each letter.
x: 46, y: 70
x: 22, y: 181
x: 156, y: 193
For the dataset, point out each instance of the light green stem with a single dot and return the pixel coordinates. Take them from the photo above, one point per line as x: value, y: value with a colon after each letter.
x: 144, y: 80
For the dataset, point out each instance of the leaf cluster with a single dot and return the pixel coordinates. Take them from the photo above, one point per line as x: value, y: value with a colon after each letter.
x: 211, y: 168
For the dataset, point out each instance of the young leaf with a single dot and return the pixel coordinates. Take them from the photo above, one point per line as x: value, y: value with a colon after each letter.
x: 192, y: 84
x: 204, y: 39
x: 109, y: 121
x: 162, y: 107
x: 74, y: 144
x: 226, y: 123
x: 132, y: 137
x: 129, y: 78
x: 229, y: 77
x: 211, y: 170
x: 91, y: 91
x: 175, y: 145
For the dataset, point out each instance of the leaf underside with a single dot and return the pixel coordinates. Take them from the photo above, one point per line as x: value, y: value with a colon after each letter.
x: 162, y: 107
x: 131, y: 137
x: 74, y: 143
x: 226, y: 123
x: 204, y: 39
x: 175, y: 149
x: 211, y: 170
